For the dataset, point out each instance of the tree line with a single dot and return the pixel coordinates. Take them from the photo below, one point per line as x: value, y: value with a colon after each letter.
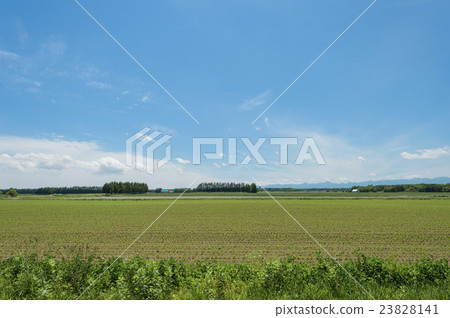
x: 68, y: 190
x: 60, y: 190
x: 422, y: 187
x: 226, y: 187
x: 124, y: 187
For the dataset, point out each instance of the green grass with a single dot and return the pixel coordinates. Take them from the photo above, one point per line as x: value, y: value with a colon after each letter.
x: 139, y: 278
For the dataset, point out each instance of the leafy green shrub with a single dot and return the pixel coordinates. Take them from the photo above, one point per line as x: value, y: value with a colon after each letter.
x: 12, y: 193
x: 30, y: 277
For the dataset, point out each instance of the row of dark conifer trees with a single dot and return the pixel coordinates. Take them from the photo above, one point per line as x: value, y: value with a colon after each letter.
x: 226, y: 187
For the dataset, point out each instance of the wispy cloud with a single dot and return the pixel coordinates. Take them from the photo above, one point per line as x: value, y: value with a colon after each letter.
x: 88, y: 72
x: 182, y: 161
x: 54, y: 46
x: 256, y: 101
x: 23, y: 80
x: 427, y: 153
x: 6, y: 55
x: 100, y: 85
x: 145, y: 99
x: 22, y: 34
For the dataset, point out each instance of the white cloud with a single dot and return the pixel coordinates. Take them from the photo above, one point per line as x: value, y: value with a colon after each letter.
x: 255, y: 102
x: 29, y: 162
x: 361, y: 158
x: 37, y: 162
x: 107, y: 165
x: 125, y: 93
x: 22, y: 162
x: 100, y: 85
x: 145, y: 99
x: 427, y: 153
x: 182, y: 161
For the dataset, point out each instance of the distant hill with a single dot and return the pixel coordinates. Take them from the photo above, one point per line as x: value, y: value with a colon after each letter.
x: 331, y: 185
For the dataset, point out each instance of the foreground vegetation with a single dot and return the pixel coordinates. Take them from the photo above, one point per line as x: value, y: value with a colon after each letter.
x: 138, y: 278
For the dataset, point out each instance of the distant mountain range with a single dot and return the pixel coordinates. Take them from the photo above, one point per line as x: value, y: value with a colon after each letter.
x: 331, y: 185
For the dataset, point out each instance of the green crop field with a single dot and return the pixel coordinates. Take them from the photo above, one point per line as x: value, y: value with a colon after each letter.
x: 226, y: 230
x: 224, y: 249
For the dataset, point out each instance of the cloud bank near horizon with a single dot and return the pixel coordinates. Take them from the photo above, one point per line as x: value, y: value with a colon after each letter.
x: 38, y: 162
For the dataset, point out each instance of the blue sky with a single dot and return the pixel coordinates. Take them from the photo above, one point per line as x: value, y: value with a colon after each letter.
x: 376, y: 102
